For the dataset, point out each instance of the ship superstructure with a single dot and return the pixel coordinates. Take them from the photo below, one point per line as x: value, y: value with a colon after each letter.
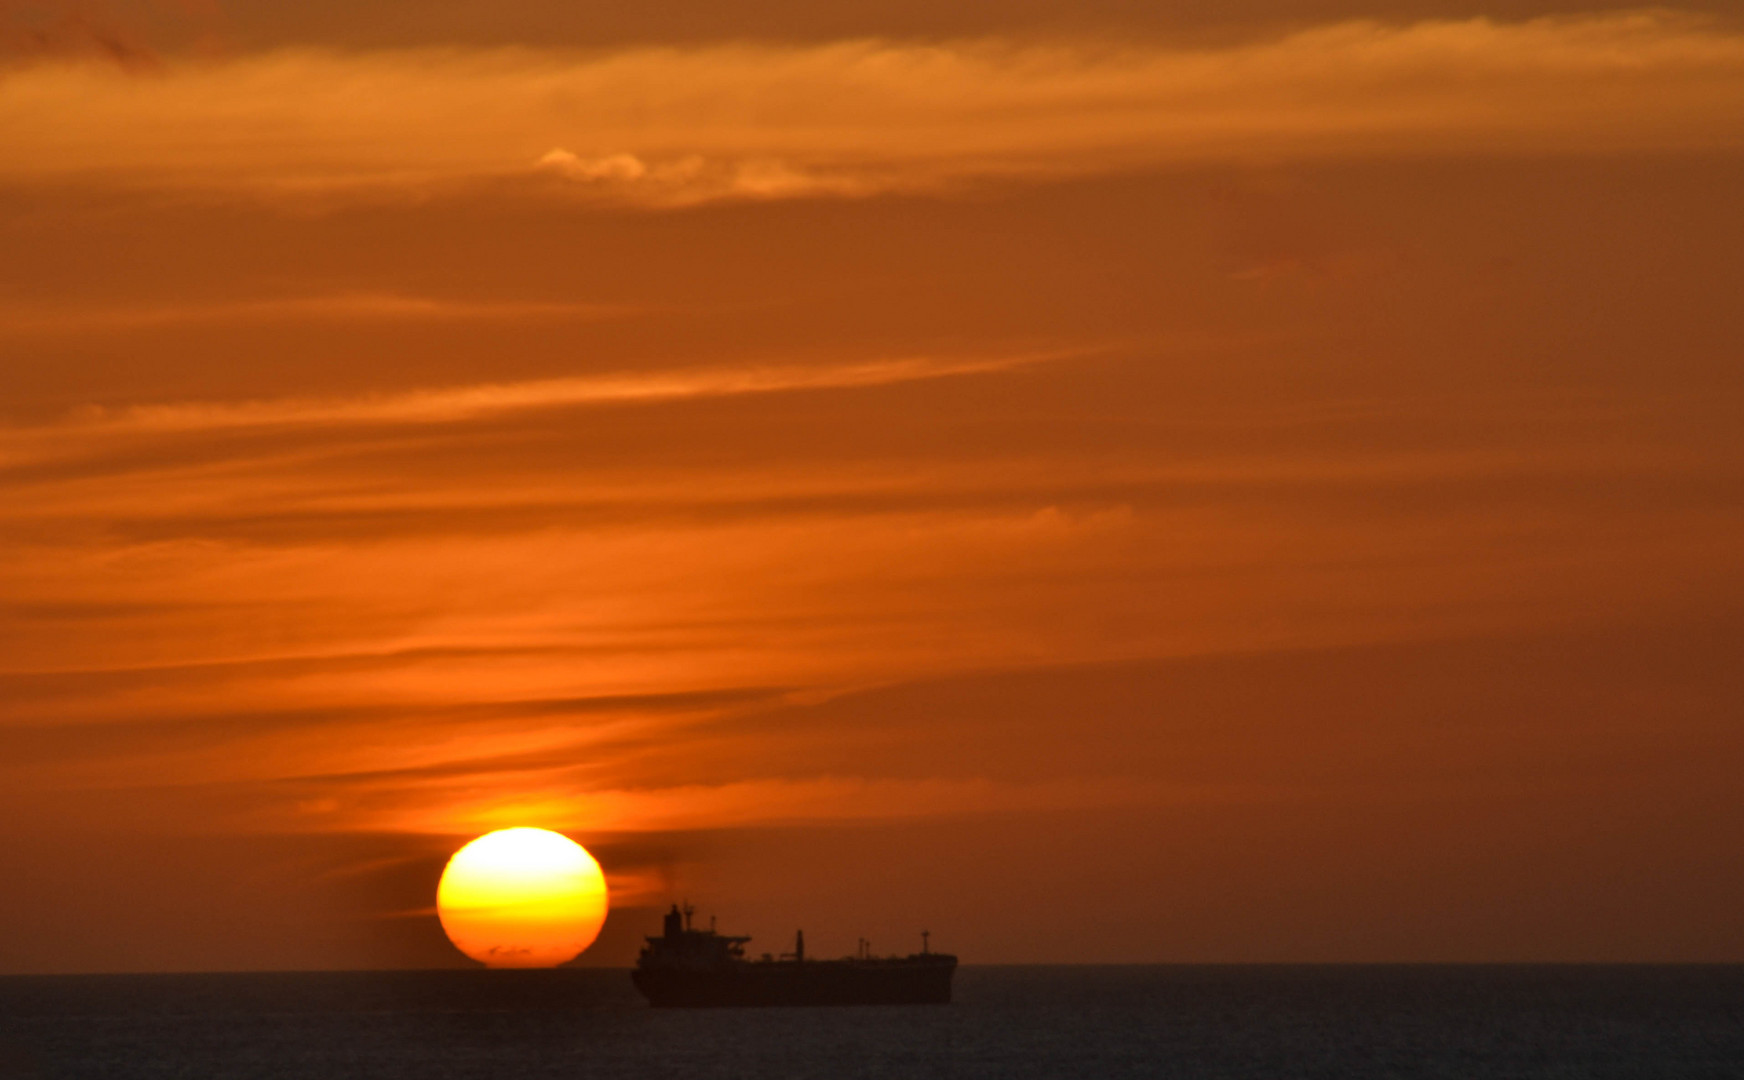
x: 685, y: 966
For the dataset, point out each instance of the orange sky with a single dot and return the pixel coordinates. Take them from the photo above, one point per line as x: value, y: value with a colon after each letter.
x: 1251, y: 481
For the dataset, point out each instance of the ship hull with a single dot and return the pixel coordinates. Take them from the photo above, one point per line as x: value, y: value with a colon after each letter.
x: 826, y: 982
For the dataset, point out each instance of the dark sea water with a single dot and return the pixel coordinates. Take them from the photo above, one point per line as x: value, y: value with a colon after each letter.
x: 1091, y: 1022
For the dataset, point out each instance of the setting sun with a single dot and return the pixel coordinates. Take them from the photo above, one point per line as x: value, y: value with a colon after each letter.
x: 522, y: 898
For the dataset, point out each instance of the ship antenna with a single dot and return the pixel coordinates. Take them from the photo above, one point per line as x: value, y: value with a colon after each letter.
x: 925, y: 945
x: 688, y: 912
x: 711, y: 924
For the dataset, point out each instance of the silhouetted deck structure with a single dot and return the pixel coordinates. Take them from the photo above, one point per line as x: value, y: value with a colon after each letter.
x: 686, y: 967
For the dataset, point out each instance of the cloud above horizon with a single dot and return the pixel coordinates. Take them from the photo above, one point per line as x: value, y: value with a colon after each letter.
x: 681, y: 125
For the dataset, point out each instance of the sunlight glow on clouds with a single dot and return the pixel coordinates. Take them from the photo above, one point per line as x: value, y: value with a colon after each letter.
x: 1009, y: 469
x: 681, y: 125
x: 93, y: 424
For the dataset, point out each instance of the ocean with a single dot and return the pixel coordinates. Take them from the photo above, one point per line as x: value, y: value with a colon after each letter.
x: 1206, y: 1023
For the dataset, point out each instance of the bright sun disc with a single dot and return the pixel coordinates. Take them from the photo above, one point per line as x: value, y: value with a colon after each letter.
x: 522, y: 898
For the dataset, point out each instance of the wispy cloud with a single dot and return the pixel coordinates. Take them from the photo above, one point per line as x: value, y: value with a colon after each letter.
x: 545, y: 669
x: 452, y: 404
x: 336, y: 307
x: 814, y: 800
x: 680, y: 125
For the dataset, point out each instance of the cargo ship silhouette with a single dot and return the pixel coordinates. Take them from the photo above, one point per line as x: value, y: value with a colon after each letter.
x: 685, y: 967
